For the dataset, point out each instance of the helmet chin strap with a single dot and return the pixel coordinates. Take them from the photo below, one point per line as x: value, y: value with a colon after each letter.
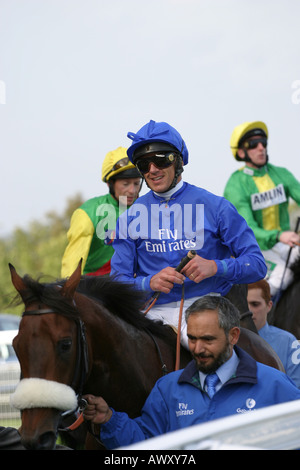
x: 178, y: 171
x: 111, y: 188
x: 248, y: 159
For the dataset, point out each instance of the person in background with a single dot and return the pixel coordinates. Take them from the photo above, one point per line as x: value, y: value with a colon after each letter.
x: 173, y: 218
x: 284, y: 343
x: 260, y: 191
x: 221, y: 380
x: 92, y: 226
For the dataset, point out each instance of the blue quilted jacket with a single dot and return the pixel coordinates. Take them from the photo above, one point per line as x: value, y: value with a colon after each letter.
x: 178, y: 401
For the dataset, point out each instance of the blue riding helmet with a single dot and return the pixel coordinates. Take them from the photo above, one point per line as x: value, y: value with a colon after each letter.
x: 157, y: 132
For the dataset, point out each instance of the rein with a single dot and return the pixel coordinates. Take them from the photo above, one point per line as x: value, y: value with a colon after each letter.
x: 163, y: 365
x: 82, y: 366
x: 191, y: 254
x: 178, y: 339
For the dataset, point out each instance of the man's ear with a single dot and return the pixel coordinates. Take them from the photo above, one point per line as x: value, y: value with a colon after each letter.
x: 241, y: 153
x: 234, y: 335
x: 270, y: 305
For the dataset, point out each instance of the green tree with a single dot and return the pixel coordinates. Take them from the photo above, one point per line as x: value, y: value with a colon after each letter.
x: 36, y: 250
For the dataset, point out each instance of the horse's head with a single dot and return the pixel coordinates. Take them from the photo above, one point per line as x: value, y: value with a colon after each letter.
x: 50, y: 349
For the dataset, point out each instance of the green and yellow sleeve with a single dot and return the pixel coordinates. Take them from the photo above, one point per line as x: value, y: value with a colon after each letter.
x: 80, y: 235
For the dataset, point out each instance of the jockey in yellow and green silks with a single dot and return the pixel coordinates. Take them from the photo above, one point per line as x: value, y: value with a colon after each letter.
x: 92, y: 226
x: 260, y: 191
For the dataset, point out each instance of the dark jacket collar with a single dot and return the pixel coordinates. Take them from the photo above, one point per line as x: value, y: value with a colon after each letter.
x: 246, y: 371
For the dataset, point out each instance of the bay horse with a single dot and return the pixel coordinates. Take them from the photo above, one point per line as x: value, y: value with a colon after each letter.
x: 71, y: 344
x: 88, y: 336
x: 286, y: 312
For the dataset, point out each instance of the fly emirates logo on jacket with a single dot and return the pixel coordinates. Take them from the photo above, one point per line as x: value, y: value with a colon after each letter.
x: 165, y: 228
x: 184, y: 409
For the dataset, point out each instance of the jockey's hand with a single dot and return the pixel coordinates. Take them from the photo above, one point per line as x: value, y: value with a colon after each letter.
x: 199, y: 268
x: 97, y: 410
x: 289, y: 238
x: 165, y: 279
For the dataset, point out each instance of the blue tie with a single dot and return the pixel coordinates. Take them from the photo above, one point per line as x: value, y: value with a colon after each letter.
x: 211, y: 382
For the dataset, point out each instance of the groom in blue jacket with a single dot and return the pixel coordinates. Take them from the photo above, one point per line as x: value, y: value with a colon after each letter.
x: 174, y: 217
x: 221, y: 380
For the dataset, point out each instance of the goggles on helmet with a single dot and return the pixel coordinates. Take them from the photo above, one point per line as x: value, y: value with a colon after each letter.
x: 162, y: 160
x: 252, y: 144
x: 120, y: 164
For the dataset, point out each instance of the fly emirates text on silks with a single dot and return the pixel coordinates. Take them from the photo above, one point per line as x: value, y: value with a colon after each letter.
x: 183, y: 226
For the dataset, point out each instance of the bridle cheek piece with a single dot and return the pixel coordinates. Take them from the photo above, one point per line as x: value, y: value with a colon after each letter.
x: 82, y: 363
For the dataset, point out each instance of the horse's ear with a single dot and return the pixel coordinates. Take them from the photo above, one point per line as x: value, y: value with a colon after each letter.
x: 71, y: 284
x: 17, y: 281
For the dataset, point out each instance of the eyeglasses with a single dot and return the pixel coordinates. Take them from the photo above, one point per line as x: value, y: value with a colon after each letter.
x: 120, y: 164
x: 252, y: 144
x: 159, y: 160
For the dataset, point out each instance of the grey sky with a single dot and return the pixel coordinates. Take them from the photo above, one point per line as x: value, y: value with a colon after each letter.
x: 80, y: 74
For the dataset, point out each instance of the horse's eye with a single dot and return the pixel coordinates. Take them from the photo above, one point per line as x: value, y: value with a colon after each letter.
x: 65, y: 345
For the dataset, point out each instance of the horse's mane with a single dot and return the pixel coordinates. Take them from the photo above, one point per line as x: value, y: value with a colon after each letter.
x: 120, y: 299
x: 47, y: 294
x: 123, y: 301
x: 114, y: 295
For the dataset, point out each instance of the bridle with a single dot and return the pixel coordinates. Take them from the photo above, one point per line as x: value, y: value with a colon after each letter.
x: 82, y: 363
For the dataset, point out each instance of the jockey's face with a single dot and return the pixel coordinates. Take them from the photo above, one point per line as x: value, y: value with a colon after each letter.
x: 259, y: 307
x: 208, y: 343
x: 258, y: 154
x: 160, y: 179
x: 128, y: 187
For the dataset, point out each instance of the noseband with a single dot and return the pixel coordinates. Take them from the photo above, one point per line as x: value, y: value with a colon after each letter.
x: 82, y: 366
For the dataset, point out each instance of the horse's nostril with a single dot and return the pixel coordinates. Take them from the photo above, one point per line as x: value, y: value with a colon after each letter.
x: 46, y: 441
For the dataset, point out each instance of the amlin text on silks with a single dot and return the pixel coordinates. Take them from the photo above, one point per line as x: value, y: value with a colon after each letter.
x: 269, y: 198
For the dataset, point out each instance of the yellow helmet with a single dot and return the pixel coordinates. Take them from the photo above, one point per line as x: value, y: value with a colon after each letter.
x: 246, y: 130
x: 116, y: 162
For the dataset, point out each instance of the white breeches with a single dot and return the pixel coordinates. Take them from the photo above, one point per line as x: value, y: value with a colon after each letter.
x: 169, y: 315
